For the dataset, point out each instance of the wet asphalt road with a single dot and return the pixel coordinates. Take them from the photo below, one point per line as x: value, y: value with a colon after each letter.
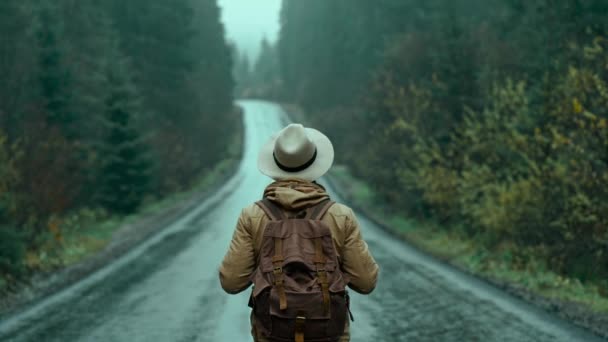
x: 167, y: 289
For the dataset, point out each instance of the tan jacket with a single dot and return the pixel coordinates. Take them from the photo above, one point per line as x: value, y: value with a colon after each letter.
x: 294, y: 195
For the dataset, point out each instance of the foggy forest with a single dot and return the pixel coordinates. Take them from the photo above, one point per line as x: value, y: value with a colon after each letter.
x: 475, y: 131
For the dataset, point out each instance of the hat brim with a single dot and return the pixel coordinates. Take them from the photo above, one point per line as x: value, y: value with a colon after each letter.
x: 322, y: 164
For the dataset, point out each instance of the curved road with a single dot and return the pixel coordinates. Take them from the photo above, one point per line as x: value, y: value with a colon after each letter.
x: 167, y: 289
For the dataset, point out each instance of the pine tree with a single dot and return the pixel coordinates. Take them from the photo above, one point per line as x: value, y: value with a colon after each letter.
x: 55, y: 79
x: 183, y: 69
x: 264, y: 77
x: 266, y: 65
x: 18, y: 66
x: 241, y: 72
x: 91, y: 40
x: 214, y: 60
x: 125, y: 172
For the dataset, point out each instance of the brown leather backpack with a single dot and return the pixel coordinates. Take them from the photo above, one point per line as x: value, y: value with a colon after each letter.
x: 299, y: 290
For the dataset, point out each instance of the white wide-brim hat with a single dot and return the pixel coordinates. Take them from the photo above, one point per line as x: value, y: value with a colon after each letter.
x: 296, y: 152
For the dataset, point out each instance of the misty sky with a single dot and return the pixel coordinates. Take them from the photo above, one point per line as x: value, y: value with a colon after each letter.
x: 247, y: 21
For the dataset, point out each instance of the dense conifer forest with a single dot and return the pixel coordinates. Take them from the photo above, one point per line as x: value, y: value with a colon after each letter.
x: 104, y: 105
x: 489, y: 118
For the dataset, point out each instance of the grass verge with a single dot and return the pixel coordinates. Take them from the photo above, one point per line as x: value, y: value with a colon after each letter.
x: 88, y: 231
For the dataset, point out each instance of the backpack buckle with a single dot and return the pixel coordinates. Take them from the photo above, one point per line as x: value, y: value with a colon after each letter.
x: 322, y: 274
x: 300, y: 323
x: 278, y: 270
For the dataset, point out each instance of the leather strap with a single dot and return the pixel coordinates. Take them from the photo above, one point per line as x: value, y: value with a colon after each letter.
x: 277, y: 258
x: 318, y: 211
x: 277, y: 262
x: 274, y: 212
x: 322, y: 273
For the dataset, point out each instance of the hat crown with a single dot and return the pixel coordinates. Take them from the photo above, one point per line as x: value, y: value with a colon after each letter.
x: 296, y: 152
x: 293, y: 148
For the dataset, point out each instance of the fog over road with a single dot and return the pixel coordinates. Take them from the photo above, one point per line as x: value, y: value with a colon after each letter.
x: 167, y: 289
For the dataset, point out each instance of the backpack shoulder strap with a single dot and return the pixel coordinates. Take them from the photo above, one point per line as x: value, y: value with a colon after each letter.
x: 318, y: 211
x: 272, y: 210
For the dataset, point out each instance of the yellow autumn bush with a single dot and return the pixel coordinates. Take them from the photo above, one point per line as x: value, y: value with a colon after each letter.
x: 526, y: 169
x: 437, y: 181
x: 498, y: 187
x: 548, y: 183
x: 575, y: 137
x: 392, y: 158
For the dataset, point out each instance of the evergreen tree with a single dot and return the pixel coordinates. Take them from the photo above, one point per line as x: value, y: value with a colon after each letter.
x: 183, y: 70
x: 18, y: 66
x: 55, y: 80
x: 91, y: 41
x: 125, y: 166
x: 214, y: 61
x: 265, y: 69
x: 264, y: 78
x: 242, y: 72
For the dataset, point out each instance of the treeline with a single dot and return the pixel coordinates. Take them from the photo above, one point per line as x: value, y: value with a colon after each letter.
x: 258, y: 78
x: 104, y: 104
x: 489, y: 117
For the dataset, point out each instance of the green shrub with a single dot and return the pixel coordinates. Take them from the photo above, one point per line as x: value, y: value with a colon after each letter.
x: 527, y: 170
x: 12, y: 250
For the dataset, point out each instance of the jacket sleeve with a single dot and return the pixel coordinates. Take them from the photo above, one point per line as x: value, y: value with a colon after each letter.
x: 358, y: 263
x: 239, y: 261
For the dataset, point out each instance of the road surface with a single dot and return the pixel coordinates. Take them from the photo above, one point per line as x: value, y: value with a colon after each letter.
x: 167, y: 289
